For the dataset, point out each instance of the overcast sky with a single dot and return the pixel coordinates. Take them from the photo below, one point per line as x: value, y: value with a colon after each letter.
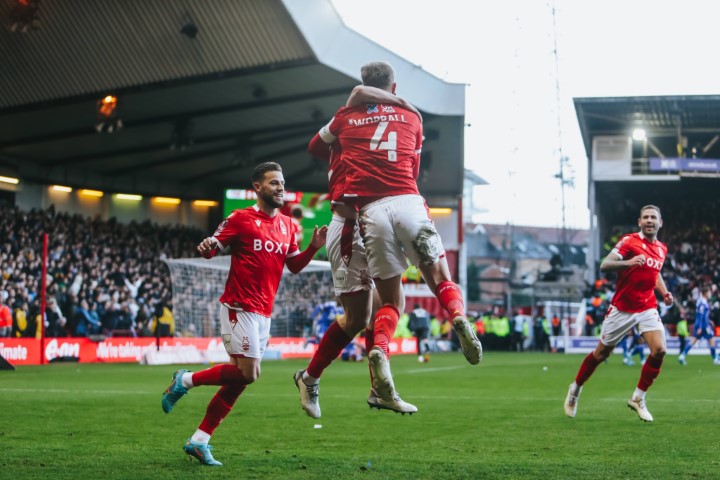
x: 504, y: 51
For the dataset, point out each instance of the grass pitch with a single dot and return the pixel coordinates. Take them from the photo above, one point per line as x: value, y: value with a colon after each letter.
x: 501, y: 419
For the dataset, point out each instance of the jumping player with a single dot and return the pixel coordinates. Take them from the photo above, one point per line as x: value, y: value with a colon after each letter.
x: 381, y: 147
x: 351, y: 279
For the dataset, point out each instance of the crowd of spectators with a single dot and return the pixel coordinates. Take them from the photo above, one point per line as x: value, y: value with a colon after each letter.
x: 103, y: 277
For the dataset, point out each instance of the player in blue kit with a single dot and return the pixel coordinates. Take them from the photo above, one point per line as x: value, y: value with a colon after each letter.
x: 632, y: 345
x: 703, y: 328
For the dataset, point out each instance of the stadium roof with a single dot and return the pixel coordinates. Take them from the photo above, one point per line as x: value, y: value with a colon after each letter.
x: 666, y: 120
x: 240, y: 81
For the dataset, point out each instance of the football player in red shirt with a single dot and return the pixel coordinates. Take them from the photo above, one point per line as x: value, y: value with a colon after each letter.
x: 262, y: 241
x: 351, y: 279
x: 637, y: 258
x: 381, y: 147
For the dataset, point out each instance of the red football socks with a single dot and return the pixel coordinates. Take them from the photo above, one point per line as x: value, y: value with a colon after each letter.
x: 649, y: 372
x: 224, y: 374
x: 450, y: 297
x: 220, y: 406
x: 586, y: 369
x: 386, y: 320
x: 332, y: 343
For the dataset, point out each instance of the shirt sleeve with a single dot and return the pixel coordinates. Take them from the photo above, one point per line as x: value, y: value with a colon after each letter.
x: 229, y: 229
x: 294, y: 248
x: 318, y: 148
x: 623, y: 246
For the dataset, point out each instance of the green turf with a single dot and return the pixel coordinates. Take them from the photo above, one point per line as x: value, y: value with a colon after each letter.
x: 502, y: 419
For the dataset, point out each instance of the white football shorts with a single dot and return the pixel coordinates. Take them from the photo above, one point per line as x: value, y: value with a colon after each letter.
x: 346, y: 253
x: 244, y: 334
x: 617, y: 324
x: 397, y: 227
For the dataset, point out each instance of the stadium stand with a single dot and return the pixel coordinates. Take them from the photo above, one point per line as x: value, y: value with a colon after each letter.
x: 101, y: 274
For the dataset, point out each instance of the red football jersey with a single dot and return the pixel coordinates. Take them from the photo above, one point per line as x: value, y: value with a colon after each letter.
x: 259, y: 246
x: 337, y: 174
x: 636, y: 285
x: 381, y: 147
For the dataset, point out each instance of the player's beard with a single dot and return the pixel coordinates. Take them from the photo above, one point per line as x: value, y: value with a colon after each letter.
x: 269, y: 199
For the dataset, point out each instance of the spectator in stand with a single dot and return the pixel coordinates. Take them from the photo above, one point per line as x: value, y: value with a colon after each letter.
x: 55, y: 321
x: 163, y: 321
x: 6, y: 320
x: 86, y: 320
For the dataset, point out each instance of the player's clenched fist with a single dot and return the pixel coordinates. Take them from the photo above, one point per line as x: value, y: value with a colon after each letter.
x: 206, y: 246
x: 637, y: 261
x: 668, y: 299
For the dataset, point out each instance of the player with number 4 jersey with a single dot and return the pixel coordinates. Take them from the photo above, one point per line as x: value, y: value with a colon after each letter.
x: 381, y: 145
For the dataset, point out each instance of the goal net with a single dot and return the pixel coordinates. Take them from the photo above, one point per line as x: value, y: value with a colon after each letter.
x: 198, y: 283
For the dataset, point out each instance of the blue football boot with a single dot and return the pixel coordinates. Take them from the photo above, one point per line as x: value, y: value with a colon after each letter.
x: 201, y: 452
x: 174, y: 392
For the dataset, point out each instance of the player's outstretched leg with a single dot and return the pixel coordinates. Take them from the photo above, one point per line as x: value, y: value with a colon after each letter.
x: 174, y: 392
x: 638, y: 404
x: 571, y: 400
x: 396, y: 405
x: 309, y: 395
x: 469, y: 343
x: 201, y: 451
x: 381, y: 375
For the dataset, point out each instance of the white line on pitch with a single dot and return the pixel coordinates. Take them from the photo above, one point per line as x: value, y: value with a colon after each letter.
x: 436, y: 369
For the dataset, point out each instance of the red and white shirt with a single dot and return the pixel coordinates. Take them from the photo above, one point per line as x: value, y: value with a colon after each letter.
x: 381, y: 147
x: 259, y: 246
x: 636, y: 285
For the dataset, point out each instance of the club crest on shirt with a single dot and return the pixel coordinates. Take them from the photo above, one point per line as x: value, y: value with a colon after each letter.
x: 372, y: 108
x: 387, y: 109
x: 283, y: 229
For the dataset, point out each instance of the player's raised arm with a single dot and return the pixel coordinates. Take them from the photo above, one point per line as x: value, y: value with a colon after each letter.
x: 319, y: 148
x: 297, y: 262
x: 365, y: 94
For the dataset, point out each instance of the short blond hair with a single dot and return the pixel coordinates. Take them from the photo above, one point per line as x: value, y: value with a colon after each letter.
x: 377, y: 74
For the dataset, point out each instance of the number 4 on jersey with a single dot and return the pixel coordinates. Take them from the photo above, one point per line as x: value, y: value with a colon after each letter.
x: 390, y: 145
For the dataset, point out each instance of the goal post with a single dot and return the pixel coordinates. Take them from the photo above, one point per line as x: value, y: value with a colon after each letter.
x: 198, y: 283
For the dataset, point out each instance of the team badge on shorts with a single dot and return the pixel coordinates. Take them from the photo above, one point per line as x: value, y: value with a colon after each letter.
x: 245, y: 344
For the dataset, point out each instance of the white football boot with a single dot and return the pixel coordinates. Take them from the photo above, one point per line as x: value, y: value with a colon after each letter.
x: 640, y: 407
x: 469, y: 343
x: 571, y: 400
x: 397, y: 404
x: 309, y: 395
x: 381, y: 375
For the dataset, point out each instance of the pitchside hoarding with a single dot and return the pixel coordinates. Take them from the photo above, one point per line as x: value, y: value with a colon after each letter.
x: 29, y: 351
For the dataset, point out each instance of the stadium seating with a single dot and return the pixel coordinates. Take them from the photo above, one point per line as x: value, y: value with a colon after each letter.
x: 115, y: 268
